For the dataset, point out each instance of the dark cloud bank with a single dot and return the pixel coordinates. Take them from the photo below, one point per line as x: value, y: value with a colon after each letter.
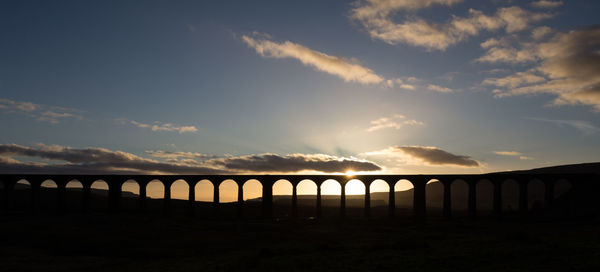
x: 60, y: 159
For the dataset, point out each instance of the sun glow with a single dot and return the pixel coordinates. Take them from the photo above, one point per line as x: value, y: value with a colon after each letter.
x: 349, y: 173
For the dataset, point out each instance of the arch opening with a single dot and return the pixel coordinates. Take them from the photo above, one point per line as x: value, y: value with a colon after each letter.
x: 561, y: 187
x: 434, y: 197
x: 535, y: 195
x: 180, y: 190
x: 380, y: 192
x: 355, y: 198
x: 331, y: 191
x: 282, y: 198
x: 130, y: 191
x: 98, y: 195
x: 510, y: 196
x: 48, y: 195
x: 459, y: 197
x: 74, y: 195
x: 204, y: 191
x: 485, y: 196
x: 404, y: 195
x: 307, y: 198
x: 228, y: 191
x: 21, y: 199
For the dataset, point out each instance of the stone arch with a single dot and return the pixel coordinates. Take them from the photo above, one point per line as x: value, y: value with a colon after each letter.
x: 228, y: 191
x: 434, y: 197
x: 155, y: 189
x: 282, y: 198
x: 485, y: 196
x: 48, y: 195
x: 561, y: 187
x: 307, y: 198
x: 74, y: 195
x: 180, y: 189
x: 380, y: 192
x: 130, y: 188
x: 49, y: 184
x: 459, y: 196
x: 130, y: 192
x: 355, y: 197
x: 98, y: 195
x: 510, y: 196
x: 204, y: 191
x: 404, y: 195
x: 21, y: 199
x: 331, y: 191
x: 252, y: 190
x: 536, y: 194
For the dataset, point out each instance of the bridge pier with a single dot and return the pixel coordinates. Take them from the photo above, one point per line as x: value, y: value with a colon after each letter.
x: 419, y: 199
x: 167, y: 199
x: 367, y: 201
x: 447, y: 205
x: 191, y: 199
x: 472, y: 198
x: 294, y: 200
x: 60, y: 197
x: 142, y: 197
x: 392, y: 202
x: 35, y: 196
x: 240, y: 201
x: 319, y: 211
x: 85, y: 199
x: 497, y: 209
x: 343, y: 201
x: 216, y: 200
x: 523, y: 201
x: 549, y: 193
x: 114, y: 196
x: 267, y: 198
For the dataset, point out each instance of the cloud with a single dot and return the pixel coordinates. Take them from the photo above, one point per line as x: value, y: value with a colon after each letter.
x: 396, y: 121
x: 547, y: 4
x: 159, y: 126
x: 427, y: 155
x: 376, y: 16
x: 513, y: 154
x: 347, y: 69
x: 66, y: 160
x: 569, y: 64
x: 45, y: 113
x: 295, y: 163
x: 584, y: 127
x: 440, y: 89
x: 177, y: 155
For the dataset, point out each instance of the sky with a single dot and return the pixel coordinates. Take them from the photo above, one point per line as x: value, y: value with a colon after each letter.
x: 236, y: 87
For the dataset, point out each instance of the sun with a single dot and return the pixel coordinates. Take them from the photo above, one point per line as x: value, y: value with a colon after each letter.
x: 349, y: 173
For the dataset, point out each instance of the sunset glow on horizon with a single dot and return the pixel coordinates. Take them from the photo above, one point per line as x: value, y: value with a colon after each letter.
x: 364, y: 87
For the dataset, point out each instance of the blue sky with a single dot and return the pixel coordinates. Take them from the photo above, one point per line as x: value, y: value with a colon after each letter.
x: 438, y: 86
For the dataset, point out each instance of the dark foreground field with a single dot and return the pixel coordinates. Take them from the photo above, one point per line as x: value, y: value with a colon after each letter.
x: 129, y: 242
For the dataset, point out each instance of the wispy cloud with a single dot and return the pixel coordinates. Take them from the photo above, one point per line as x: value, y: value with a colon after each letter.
x: 93, y: 160
x: 584, y: 127
x: 547, y: 4
x: 377, y: 17
x: 423, y: 155
x: 566, y: 65
x: 158, y: 126
x: 396, y: 121
x: 438, y: 88
x: 40, y: 112
x: 513, y: 154
x: 348, y: 69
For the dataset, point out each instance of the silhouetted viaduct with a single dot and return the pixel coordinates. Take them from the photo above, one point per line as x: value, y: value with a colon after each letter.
x: 578, y: 182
